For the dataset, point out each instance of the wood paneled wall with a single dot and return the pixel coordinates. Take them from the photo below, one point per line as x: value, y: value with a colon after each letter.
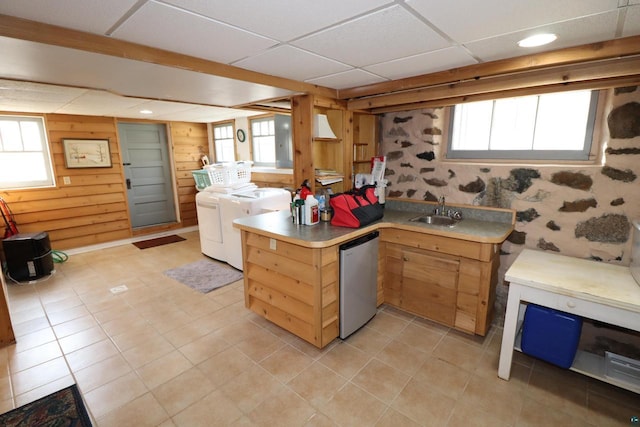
x: 278, y: 180
x: 190, y: 143
x: 93, y: 208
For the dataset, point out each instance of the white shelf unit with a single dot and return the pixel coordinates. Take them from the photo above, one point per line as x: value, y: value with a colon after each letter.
x: 585, y: 363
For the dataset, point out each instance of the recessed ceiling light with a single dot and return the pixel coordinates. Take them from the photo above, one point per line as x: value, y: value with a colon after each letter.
x: 146, y: 112
x: 537, y: 40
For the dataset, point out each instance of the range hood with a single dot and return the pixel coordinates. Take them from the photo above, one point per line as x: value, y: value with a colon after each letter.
x: 321, y: 127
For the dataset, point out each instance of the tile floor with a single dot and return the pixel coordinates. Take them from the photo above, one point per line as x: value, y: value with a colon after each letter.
x: 161, y: 354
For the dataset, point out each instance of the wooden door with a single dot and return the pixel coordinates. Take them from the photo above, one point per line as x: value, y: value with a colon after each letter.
x: 147, y: 166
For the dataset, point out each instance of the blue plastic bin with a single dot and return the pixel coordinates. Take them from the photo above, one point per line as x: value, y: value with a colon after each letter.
x: 551, y: 335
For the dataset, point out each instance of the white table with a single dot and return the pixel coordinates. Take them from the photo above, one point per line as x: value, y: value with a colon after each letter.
x: 590, y: 289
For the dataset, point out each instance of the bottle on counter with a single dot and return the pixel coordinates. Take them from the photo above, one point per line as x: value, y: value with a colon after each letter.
x: 297, y: 210
x: 311, y: 210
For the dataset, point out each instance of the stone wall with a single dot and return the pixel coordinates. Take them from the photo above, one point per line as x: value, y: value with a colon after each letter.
x: 582, y: 211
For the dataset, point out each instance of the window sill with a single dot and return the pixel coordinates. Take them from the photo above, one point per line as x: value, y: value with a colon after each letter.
x: 271, y: 170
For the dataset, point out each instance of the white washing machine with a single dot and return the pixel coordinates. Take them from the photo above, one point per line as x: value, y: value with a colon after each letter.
x: 208, y: 209
x: 247, y: 203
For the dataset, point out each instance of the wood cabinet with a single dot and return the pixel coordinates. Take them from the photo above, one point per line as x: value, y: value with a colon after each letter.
x: 348, y: 153
x: 293, y: 286
x: 365, y: 141
x: 443, y: 279
x: 312, y: 153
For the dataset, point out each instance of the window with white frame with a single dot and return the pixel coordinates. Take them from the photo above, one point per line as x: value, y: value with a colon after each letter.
x: 554, y: 126
x: 25, y: 161
x: 272, y: 142
x: 224, y: 142
x: 263, y: 139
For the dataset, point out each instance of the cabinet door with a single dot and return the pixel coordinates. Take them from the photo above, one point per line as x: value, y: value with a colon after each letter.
x: 429, y: 285
x: 392, y: 282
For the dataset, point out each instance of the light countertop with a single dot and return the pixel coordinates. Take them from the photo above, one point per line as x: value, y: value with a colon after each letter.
x: 279, y: 225
x: 594, y: 281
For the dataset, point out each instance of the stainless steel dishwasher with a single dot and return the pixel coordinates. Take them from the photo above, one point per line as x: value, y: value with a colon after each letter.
x: 358, y: 282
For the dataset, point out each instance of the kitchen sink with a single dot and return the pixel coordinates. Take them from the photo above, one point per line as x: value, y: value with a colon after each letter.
x: 435, y: 220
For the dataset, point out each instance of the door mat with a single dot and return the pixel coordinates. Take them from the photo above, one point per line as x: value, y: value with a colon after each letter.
x: 159, y: 241
x: 205, y: 276
x: 62, y: 408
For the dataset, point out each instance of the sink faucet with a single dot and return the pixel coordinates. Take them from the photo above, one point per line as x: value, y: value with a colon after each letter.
x: 441, y: 208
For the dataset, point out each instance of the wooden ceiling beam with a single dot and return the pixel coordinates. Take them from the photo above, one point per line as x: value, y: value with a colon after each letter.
x: 589, y: 84
x: 594, y: 51
x: 498, y: 85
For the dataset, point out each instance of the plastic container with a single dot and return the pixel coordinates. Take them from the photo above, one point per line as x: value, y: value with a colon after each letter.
x: 228, y: 174
x: 311, y: 211
x: 551, y: 335
x: 202, y: 179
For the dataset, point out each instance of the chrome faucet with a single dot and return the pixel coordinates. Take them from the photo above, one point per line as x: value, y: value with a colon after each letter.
x: 441, y: 207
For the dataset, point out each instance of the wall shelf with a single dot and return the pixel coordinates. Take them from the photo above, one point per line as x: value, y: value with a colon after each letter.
x: 318, y: 139
x: 589, y: 364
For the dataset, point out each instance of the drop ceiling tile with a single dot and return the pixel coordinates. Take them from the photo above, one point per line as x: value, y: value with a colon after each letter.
x: 280, y: 19
x: 423, y: 63
x: 38, y: 92
x: 100, y: 103
x: 206, y: 114
x: 473, y: 20
x: 388, y: 34
x: 182, y: 85
x: 161, y: 107
x: 347, y: 79
x: 31, y: 61
x: 291, y: 62
x: 94, y: 16
x: 167, y: 27
x: 31, y: 101
x: 590, y: 29
x: 631, y: 21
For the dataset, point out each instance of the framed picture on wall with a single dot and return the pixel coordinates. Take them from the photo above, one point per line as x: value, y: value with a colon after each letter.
x: 86, y: 153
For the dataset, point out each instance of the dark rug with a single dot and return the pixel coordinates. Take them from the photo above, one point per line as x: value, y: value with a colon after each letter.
x: 205, y: 276
x: 159, y: 241
x: 59, y: 409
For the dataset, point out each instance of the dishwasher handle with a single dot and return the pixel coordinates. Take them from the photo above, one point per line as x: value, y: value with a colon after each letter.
x: 359, y: 241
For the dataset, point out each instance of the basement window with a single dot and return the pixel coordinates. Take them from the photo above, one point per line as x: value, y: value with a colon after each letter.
x: 25, y: 160
x: 554, y: 126
x: 263, y: 138
x: 271, y: 141
x: 224, y: 142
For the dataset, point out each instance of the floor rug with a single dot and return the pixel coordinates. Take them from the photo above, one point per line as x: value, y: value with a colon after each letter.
x: 205, y: 276
x: 144, y: 244
x: 62, y: 408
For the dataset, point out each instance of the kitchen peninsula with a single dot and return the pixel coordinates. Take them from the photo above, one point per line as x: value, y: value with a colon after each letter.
x: 437, y: 272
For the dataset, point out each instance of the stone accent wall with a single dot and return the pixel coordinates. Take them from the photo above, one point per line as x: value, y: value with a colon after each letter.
x: 582, y: 211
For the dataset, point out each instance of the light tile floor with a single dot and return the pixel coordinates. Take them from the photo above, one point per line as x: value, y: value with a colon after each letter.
x: 161, y: 354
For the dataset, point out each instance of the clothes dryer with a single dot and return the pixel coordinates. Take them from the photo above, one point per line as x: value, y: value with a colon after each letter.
x: 210, y: 224
x: 243, y: 204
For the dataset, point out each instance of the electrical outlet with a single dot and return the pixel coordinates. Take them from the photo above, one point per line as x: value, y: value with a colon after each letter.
x: 66, y: 180
x: 272, y: 244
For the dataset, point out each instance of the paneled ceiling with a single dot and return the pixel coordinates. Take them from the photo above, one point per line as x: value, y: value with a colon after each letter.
x: 332, y: 44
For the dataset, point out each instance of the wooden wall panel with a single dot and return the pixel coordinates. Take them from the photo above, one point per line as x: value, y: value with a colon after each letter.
x: 189, y: 143
x: 93, y: 208
x: 277, y: 180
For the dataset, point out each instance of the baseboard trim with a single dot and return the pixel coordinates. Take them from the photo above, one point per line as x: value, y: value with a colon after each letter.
x: 115, y: 243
